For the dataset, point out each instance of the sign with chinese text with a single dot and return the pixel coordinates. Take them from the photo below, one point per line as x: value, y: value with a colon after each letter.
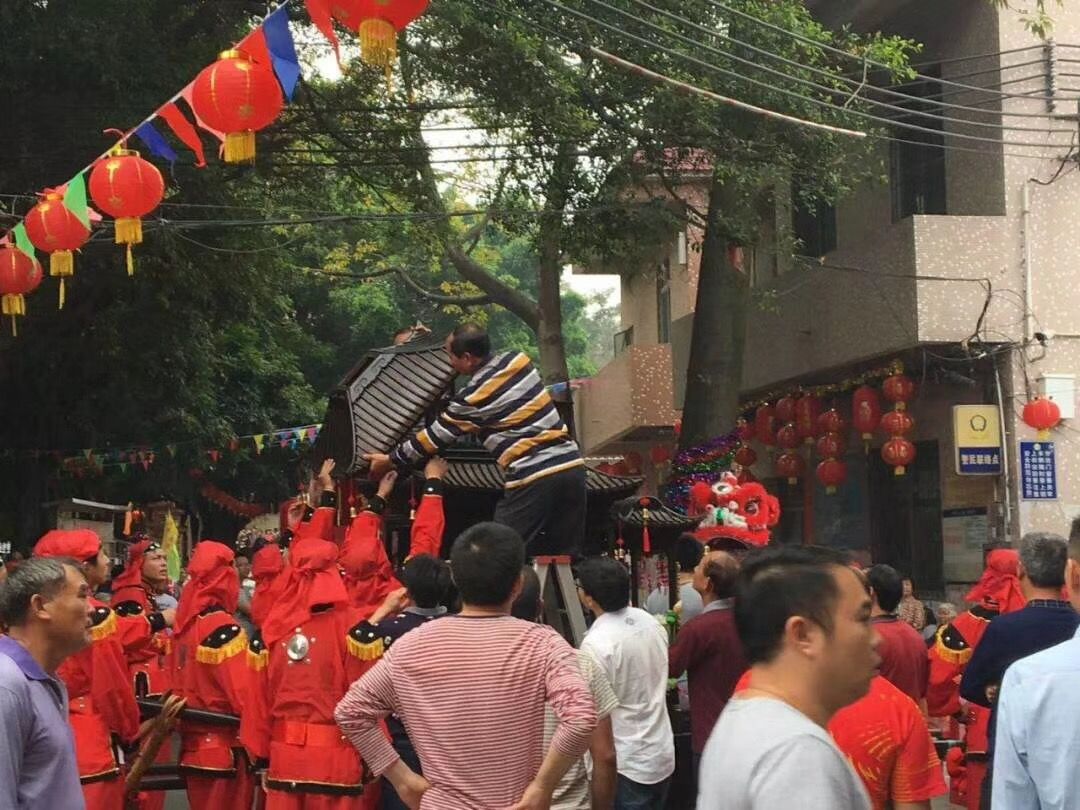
x: 1038, y: 471
x: 977, y: 430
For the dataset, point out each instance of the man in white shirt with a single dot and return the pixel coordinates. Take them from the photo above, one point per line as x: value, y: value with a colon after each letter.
x: 631, y: 648
x: 804, y: 620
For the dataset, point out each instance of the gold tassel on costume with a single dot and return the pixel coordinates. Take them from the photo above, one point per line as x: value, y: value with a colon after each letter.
x: 216, y: 655
x: 240, y: 147
x: 258, y: 661
x: 366, y: 652
x: 105, y: 629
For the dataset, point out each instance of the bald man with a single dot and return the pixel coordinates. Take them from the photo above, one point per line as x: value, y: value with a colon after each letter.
x: 708, y: 649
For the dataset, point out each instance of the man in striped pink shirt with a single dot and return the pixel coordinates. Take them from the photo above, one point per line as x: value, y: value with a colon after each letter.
x: 471, y: 691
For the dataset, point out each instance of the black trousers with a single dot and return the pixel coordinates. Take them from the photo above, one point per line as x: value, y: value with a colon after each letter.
x: 548, y: 513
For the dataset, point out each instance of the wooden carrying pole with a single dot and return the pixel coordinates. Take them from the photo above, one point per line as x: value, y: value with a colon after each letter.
x: 159, y: 732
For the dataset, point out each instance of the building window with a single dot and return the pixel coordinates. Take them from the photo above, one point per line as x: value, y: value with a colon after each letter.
x: 663, y: 302
x: 917, y: 164
x: 814, y: 227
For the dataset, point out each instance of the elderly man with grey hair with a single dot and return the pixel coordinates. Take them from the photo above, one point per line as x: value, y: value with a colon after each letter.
x: 1046, y: 620
x: 46, y: 613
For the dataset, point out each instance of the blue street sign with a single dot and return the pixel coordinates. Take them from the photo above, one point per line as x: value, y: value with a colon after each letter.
x: 1038, y: 471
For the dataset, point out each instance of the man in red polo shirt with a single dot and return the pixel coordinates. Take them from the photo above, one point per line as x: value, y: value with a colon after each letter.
x: 903, y: 651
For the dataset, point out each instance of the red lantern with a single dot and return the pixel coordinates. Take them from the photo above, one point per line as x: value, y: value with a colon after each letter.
x: 126, y: 187
x: 830, y: 445
x: 1042, y: 414
x: 765, y: 425
x: 238, y: 96
x: 20, y: 275
x: 54, y: 228
x: 660, y: 454
x: 807, y: 413
x: 746, y: 476
x: 745, y: 456
x: 897, y: 423
x: 866, y: 411
x: 788, y: 437
x: 377, y: 22
x: 832, y: 421
x: 790, y: 465
x: 744, y: 429
x: 832, y: 473
x: 898, y: 389
x: 898, y: 453
x: 785, y: 410
x: 677, y: 427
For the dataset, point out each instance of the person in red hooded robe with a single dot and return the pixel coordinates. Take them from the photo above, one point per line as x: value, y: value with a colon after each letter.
x: 266, y: 567
x: 133, y: 594
x: 301, y: 670
x: 996, y: 593
x: 212, y: 675
x: 102, y: 711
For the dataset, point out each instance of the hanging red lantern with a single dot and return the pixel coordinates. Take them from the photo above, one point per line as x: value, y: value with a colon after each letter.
x: 832, y: 473
x: 898, y: 453
x: 54, y: 229
x: 807, y: 413
x: 745, y: 456
x: 765, y: 425
x: 20, y: 274
x: 677, y: 427
x: 746, y: 476
x: 785, y: 410
x: 898, y: 389
x: 788, y: 437
x: 790, y: 465
x: 126, y: 187
x: 830, y: 445
x: 1042, y: 414
x: 660, y: 454
x: 832, y: 421
x: 377, y: 22
x: 237, y: 96
x: 897, y: 423
x: 744, y: 429
x: 866, y: 412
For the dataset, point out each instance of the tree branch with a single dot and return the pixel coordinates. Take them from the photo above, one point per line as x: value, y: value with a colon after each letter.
x: 460, y: 300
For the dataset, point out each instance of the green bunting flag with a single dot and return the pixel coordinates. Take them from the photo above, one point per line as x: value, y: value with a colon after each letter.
x: 75, y: 198
x: 22, y: 241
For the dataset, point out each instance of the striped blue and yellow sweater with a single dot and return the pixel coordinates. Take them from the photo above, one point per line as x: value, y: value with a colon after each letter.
x: 507, y: 406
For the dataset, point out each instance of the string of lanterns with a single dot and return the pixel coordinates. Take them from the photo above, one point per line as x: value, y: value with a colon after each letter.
x: 801, y: 420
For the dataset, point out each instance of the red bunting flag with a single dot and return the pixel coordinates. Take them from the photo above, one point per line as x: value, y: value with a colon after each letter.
x: 319, y: 11
x: 186, y: 94
x: 254, y: 45
x: 184, y: 130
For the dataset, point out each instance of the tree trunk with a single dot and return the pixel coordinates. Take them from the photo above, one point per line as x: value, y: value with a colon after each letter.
x: 549, y: 335
x: 714, y: 372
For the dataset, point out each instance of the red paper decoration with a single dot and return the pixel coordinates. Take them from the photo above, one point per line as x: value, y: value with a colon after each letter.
x: 765, y: 425
x: 897, y: 423
x: 744, y: 429
x: 898, y: 453
x: 377, y: 22
x: 866, y: 412
x: 832, y: 421
x: 660, y: 454
x: 832, y: 473
x: 830, y: 445
x: 126, y: 187
x: 237, y: 96
x: 898, y: 389
x: 790, y: 465
x: 807, y: 412
x: 19, y: 275
x: 54, y: 229
x: 745, y: 456
x: 785, y: 410
x: 788, y: 437
x: 1042, y: 414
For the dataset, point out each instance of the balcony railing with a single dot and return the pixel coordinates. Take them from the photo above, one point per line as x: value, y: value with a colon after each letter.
x: 623, y: 340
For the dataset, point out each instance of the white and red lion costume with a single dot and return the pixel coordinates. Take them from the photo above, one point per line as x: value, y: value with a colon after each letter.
x: 734, y: 511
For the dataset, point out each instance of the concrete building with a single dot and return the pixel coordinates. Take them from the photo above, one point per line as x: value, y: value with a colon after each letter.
x: 960, y: 266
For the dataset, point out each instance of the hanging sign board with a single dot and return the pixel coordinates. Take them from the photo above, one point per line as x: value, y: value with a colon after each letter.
x: 1038, y: 471
x: 977, y: 433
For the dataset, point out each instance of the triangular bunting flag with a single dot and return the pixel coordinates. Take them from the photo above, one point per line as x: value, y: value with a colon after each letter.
x: 171, y: 448
x: 123, y: 467
x: 259, y: 439
x: 279, y: 40
x: 184, y: 130
x: 88, y: 452
x: 157, y: 145
x: 146, y: 465
x: 214, y: 455
x: 22, y: 241
x: 186, y: 94
x: 319, y: 11
x: 75, y: 198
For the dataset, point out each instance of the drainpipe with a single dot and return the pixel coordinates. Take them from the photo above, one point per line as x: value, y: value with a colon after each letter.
x: 1006, y: 473
x: 1025, y: 262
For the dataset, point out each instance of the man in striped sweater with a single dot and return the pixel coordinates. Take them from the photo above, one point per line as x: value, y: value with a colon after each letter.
x: 507, y: 406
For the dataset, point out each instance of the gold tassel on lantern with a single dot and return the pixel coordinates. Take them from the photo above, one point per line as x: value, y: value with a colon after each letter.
x: 378, y: 45
x: 128, y: 231
x: 62, y: 266
x: 13, y: 305
x: 240, y: 147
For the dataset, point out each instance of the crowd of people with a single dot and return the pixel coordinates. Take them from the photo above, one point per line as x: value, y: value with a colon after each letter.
x: 315, y: 674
